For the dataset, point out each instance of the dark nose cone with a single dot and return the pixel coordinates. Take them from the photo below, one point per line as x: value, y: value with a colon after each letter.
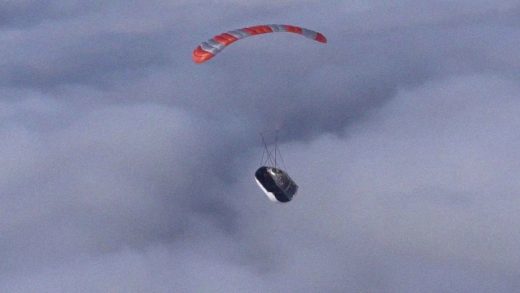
x: 276, y: 184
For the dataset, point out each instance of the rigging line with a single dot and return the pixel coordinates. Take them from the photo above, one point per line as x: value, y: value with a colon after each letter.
x: 283, y: 161
x: 277, y: 150
x: 262, y: 161
x: 269, y: 159
x: 275, y: 147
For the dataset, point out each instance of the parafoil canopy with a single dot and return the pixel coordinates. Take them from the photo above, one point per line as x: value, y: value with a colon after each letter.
x: 210, y: 48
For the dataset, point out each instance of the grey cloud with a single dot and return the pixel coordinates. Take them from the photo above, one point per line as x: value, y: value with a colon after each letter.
x: 127, y: 167
x: 27, y: 13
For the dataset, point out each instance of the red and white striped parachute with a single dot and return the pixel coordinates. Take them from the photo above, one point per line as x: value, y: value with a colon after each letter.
x: 212, y: 47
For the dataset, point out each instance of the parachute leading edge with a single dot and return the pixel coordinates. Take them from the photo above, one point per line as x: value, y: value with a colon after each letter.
x: 212, y: 47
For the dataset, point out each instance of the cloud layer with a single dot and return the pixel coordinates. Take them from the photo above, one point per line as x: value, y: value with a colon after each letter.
x: 127, y: 168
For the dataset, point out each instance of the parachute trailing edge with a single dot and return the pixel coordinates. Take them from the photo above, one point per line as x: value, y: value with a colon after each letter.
x: 210, y: 48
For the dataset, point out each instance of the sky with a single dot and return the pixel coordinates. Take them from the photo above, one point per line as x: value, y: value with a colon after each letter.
x: 126, y: 167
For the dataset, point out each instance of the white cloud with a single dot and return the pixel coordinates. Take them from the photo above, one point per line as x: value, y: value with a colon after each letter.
x: 127, y: 167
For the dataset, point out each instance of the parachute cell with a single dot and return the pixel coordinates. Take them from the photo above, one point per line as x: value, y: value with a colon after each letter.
x: 212, y: 47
